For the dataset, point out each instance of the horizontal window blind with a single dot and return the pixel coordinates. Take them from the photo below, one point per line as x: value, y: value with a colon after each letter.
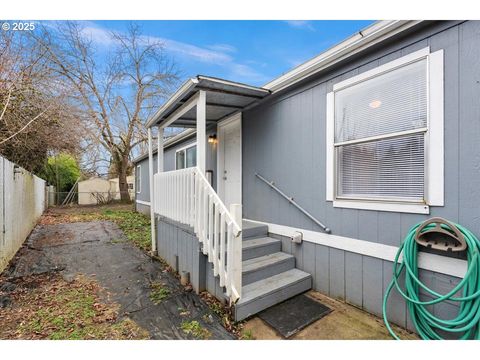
x: 392, y: 102
x: 388, y: 167
x: 382, y: 169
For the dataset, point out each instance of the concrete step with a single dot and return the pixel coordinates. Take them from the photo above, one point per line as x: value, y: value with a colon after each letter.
x: 256, y: 247
x: 250, y: 229
x: 262, y: 267
x: 262, y: 294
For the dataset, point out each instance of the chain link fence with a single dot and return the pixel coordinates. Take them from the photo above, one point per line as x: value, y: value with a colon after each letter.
x: 59, y: 198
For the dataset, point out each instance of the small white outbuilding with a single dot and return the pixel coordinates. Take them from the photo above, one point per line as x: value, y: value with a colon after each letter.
x: 95, y: 190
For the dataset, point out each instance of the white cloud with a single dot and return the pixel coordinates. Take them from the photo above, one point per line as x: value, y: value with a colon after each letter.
x: 301, y: 24
x: 247, y: 74
x: 223, y: 48
x: 217, y: 54
x: 97, y: 35
x: 196, y: 52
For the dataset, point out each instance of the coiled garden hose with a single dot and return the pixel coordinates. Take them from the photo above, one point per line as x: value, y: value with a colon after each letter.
x: 429, y: 327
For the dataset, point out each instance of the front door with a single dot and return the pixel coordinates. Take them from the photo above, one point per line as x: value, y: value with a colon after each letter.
x: 230, y: 160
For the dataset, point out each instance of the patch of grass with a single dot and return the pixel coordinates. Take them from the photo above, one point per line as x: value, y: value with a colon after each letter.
x: 135, y: 226
x: 195, y: 329
x: 158, y: 293
x: 247, y: 335
x: 60, y: 310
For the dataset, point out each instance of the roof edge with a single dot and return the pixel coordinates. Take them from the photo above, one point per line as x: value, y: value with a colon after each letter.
x: 186, y: 86
x: 365, y: 38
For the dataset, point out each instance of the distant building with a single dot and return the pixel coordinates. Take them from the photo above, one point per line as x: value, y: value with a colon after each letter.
x: 98, y: 190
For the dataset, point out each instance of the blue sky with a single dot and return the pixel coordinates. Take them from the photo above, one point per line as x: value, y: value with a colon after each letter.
x: 252, y: 52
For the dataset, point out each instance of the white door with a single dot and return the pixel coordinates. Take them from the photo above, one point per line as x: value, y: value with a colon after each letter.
x: 230, y: 161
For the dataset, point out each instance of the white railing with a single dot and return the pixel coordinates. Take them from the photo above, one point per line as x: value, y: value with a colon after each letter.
x: 186, y: 197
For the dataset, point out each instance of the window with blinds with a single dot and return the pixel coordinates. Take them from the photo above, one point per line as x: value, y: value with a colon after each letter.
x: 379, y: 136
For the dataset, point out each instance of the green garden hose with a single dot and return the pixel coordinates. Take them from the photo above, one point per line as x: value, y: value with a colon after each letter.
x: 429, y: 327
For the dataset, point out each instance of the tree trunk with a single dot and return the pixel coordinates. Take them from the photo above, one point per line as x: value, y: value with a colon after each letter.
x: 122, y: 169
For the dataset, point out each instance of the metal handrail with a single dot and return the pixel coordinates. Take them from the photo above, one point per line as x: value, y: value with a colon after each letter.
x: 294, y: 203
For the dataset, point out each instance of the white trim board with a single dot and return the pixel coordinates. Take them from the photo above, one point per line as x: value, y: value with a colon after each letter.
x: 437, y: 263
x: 141, y: 202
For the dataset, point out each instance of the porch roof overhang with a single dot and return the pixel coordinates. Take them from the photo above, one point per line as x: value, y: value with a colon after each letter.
x: 223, y: 98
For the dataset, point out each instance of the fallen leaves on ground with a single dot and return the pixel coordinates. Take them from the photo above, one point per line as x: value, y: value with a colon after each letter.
x: 135, y: 226
x: 48, y: 307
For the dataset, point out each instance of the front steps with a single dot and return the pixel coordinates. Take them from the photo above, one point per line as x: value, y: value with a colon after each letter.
x: 269, y: 275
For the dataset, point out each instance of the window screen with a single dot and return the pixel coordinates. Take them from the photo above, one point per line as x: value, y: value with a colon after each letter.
x: 380, y: 126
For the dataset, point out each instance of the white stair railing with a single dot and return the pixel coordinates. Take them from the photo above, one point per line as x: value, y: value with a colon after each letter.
x: 187, y: 197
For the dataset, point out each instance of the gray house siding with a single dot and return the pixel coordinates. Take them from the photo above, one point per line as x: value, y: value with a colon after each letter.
x: 284, y: 140
x: 169, y: 165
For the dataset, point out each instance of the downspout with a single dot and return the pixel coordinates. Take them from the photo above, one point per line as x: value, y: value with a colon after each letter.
x: 152, y: 195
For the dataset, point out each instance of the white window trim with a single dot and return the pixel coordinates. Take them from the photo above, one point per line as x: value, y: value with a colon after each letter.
x: 138, y: 175
x: 434, y: 139
x: 183, y: 148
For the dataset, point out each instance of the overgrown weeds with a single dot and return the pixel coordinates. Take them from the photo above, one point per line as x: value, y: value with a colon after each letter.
x: 158, y: 293
x: 195, y: 329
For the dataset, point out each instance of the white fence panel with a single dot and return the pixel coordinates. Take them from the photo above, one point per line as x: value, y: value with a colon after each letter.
x: 22, y: 202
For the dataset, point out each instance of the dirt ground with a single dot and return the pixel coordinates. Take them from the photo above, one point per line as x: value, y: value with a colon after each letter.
x: 345, y: 322
x: 140, y: 289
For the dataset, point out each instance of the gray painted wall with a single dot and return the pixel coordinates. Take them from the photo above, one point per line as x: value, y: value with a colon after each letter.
x: 181, y: 249
x: 169, y: 164
x: 284, y: 140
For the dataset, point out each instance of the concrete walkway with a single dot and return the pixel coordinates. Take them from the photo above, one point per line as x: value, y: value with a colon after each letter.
x: 100, y: 250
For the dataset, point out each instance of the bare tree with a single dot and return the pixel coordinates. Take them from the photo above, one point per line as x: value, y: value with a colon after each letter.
x: 36, y: 117
x: 118, y: 93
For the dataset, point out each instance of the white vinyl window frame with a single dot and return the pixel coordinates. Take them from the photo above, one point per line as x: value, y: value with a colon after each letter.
x: 434, y: 138
x: 183, y: 149
x: 138, y: 179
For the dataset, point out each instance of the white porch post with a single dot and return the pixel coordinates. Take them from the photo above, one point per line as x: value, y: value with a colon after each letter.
x: 201, y: 131
x: 152, y: 195
x: 160, y: 150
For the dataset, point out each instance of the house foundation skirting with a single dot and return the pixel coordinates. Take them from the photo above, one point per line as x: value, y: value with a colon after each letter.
x: 356, y: 278
x: 181, y: 249
x: 361, y: 280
